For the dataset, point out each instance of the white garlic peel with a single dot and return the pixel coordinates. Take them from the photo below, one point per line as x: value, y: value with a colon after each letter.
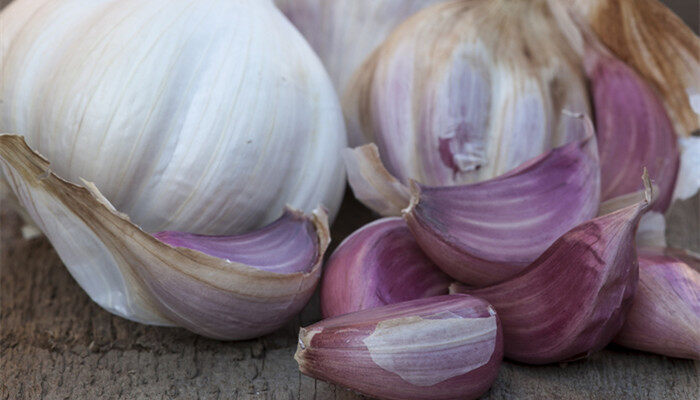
x: 206, y: 116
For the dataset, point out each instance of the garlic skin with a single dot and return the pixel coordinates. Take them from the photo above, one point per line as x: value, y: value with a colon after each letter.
x: 182, y: 113
x: 572, y: 300
x: 443, y: 347
x: 344, y: 32
x: 650, y: 38
x: 239, y: 291
x: 633, y: 130
x: 464, y: 91
x: 665, y: 313
x: 487, y: 232
x: 378, y: 264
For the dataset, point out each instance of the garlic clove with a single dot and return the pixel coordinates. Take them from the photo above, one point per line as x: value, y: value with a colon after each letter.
x: 633, y: 130
x: 650, y: 38
x: 378, y: 264
x: 487, y: 232
x: 372, y: 184
x: 572, y: 300
x: 464, y: 91
x: 133, y: 274
x: 665, y: 313
x: 443, y: 347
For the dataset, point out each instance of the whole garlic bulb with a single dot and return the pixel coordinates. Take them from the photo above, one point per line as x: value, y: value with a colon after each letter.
x: 204, y: 116
x: 467, y: 90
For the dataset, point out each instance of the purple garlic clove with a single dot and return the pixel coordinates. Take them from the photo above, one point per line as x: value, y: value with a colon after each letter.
x: 633, y: 130
x: 665, y: 313
x: 572, y: 300
x: 378, y: 264
x: 443, y: 347
x: 487, y: 232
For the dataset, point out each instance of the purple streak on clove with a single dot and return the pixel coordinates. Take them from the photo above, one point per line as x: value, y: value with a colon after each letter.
x: 665, y: 313
x: 287, y: 245
x: 378, y: 264
x: 572, y: 300
x: 633, y: 130
x: 486, y: 232
x: 442, y: 347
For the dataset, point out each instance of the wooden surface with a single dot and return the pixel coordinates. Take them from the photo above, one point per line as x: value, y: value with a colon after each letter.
x: 55, y: 343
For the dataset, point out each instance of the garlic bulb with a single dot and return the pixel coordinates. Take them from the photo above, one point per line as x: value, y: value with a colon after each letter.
x: 467, y: 90
x: 649, y: 37
x: 344, y: 32
x: 183, y: 114
x: 206, y: 117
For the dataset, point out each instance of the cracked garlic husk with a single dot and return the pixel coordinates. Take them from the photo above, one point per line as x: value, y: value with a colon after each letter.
x: 464, y: 91
x: 224, y: 287
x: 444, y: 347
x: 176, y: 116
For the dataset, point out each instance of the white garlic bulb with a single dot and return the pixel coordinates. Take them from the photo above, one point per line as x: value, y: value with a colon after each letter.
x: 204, y: 116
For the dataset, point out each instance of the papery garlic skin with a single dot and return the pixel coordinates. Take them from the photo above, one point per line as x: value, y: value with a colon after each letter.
x: 344, y: 32
x: 378, y: 264
x: 133, y: 274
x: 207, y: 116
x: 649, y: 37
x: 572, y: 300
x: 665, y: 313
x: 467, y: 90
x: 443, y: 347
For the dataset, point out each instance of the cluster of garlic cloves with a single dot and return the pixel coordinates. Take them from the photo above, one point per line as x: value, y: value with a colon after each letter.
x: 225, y: 287
x: 443, y: 347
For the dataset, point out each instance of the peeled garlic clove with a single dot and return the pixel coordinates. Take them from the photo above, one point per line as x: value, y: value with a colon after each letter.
x: 224, y: 288
x: 633, y: 130
x: 572, y: 300
x: 650, y: 38
x: 443, y: 347
x: 465, y: 91
x: 484, y: 233
x: 665, y: 313
x: 378, y: 264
